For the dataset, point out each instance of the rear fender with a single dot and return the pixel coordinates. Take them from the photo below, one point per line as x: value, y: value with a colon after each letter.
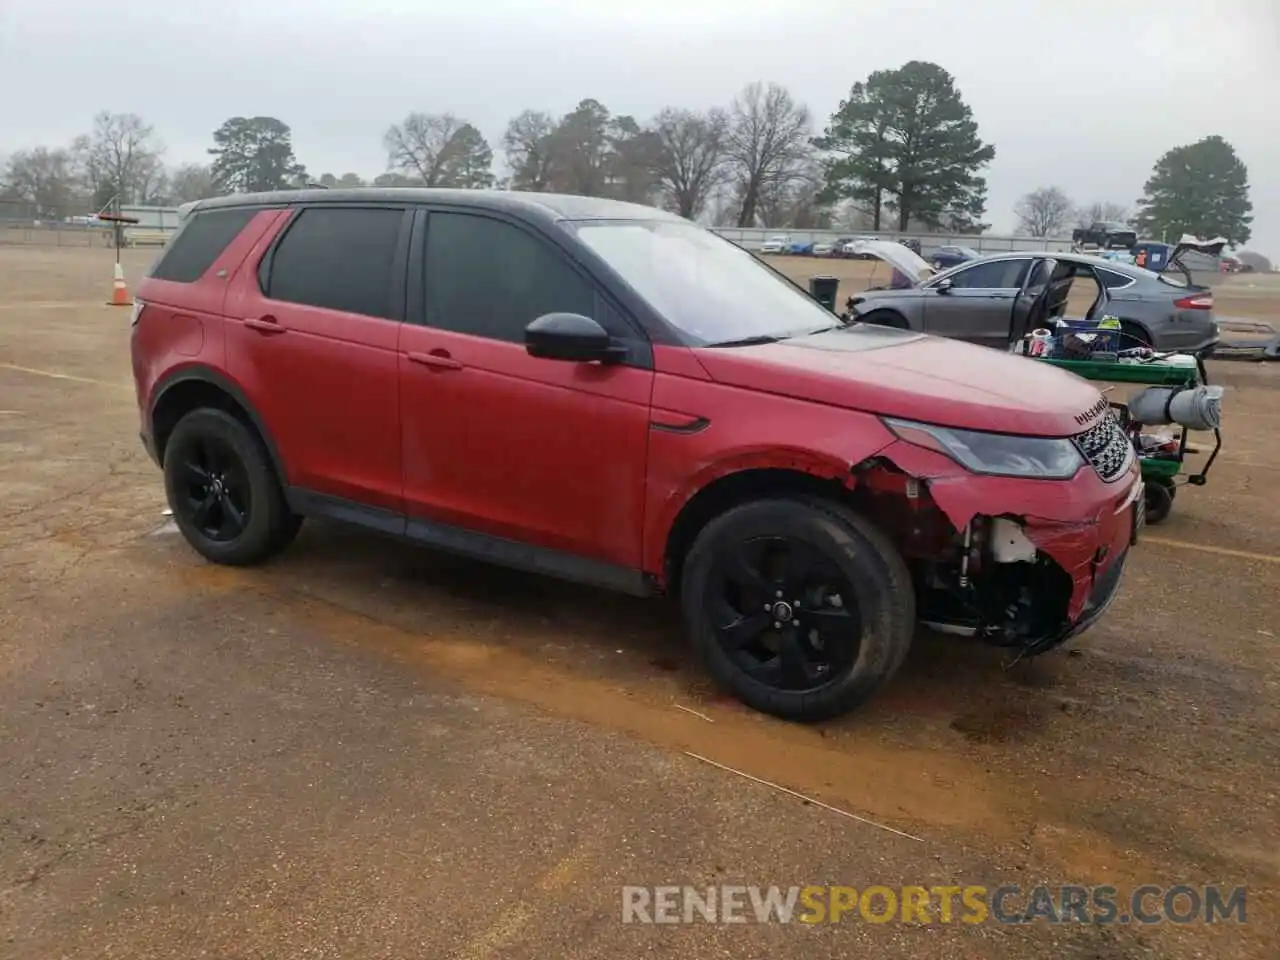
x: 182, y: 380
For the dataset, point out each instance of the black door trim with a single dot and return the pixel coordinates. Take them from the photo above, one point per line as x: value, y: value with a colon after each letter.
x: 469, y: 543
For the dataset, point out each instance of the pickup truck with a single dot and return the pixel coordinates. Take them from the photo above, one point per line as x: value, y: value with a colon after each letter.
x: 1106, y: 235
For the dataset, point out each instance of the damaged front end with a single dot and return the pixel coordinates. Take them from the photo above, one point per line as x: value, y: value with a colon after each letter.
x: 1025, y: 562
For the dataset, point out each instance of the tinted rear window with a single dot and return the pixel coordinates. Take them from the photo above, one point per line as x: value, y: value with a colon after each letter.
x: 339, y: 258
x: 199, y: 242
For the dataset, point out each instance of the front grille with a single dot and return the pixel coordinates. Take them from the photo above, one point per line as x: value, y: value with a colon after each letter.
x: 1106, y: 446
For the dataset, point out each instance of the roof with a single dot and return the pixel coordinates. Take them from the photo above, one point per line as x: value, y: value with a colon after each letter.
x: 1118, y: 266
x: 551, y: 206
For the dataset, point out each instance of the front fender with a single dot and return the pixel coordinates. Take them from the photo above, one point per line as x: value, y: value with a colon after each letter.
x: 746, y: 431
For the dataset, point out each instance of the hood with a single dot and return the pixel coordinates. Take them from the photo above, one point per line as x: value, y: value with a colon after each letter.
x: 906, y: 261
x: 913, y: 376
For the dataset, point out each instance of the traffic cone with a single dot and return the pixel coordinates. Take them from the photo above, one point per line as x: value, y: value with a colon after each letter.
x: 119, y: 292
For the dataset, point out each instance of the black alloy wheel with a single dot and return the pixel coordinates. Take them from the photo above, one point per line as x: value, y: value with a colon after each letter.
x: 214, y: 490
x: 798, y: 606
x: 223, y: 489
x: 784, y: 613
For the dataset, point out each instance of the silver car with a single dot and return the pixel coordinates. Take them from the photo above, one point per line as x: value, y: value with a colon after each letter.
x: 996, y: 299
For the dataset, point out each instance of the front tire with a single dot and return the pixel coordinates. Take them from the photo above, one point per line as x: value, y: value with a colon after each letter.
x: 223, y: 491
x: 798, y: 607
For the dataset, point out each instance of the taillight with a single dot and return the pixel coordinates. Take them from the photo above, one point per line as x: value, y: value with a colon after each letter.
x: 137, y: 312
x: 1195, y: 301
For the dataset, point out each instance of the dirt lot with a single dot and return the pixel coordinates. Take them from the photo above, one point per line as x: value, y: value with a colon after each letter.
x: 366, y: 750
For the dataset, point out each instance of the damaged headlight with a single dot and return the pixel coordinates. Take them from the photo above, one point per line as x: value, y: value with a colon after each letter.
x: 998, y: 454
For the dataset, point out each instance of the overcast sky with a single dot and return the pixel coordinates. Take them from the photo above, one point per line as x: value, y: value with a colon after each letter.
x: 1083, y: 95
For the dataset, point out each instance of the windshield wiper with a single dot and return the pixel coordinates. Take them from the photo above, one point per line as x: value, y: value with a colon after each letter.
x: 749, y: 341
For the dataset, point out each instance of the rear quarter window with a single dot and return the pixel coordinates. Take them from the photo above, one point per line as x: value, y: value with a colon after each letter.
x: 1114, y: 281
x: 199, y: 242
x: 337, y: 258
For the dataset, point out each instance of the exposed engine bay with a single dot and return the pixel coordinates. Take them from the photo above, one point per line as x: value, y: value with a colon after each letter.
x: 986, y: 579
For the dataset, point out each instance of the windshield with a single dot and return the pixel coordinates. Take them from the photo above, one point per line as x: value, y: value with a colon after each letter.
x: 709, y: 288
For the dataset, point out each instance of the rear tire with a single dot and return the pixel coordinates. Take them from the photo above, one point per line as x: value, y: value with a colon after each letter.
x: 1132, y: 336
x: 223, y: 490
x: 836, y: 635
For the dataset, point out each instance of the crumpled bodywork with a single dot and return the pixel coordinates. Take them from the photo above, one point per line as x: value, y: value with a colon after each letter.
x: 1069, y: 521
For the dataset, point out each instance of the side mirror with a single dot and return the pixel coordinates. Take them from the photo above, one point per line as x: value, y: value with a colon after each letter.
x: 943, y: 286
x: 570, y: 336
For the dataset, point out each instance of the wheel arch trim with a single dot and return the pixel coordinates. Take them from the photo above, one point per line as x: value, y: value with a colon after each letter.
x: 671, y: 512
x: 199, y: 373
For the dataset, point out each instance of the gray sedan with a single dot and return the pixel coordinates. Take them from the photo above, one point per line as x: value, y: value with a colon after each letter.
x: 994, y: 300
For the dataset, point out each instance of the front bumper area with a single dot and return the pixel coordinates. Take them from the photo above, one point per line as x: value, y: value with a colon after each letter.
x: 1105, y: 590
x: 1075, y: 538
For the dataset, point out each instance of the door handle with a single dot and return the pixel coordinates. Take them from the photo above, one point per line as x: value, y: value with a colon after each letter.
x: 439, y: 359
x: 265, y: 325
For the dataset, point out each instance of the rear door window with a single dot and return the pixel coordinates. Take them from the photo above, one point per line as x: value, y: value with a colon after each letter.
x: 199, y: 242
x: 339, y: 258
x: 996, y: 275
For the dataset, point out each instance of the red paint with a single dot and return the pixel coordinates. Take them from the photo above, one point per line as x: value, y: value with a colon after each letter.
x: 931, y: 379
x: 562, y: 464
x: 325, y: 382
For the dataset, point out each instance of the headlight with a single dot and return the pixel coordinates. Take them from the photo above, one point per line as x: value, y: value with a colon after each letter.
x: 995, y: 453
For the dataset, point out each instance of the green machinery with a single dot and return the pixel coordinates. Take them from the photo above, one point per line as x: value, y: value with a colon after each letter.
x: 1160, y: 467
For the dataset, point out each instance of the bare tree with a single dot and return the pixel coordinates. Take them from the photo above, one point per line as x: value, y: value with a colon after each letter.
x: 120, y: 158
x: 529, y: 144
x: 796, y: 202
x: 722, y: 206
x: 854, y: 217
x: 192, y: 181
x: 1087, y: 216
x: 419, y: 147
x: 395, y: 180
x: 1043, y: 212
x: 346, y: 181
x: 43, y: 179
x: 1254, y: 261
x: 768, y: 137
x: 689, y: 157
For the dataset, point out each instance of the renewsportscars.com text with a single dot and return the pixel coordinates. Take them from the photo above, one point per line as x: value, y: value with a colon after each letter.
x: 970, y: 904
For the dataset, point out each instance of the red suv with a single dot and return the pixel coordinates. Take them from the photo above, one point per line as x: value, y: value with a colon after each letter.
x: 606, y: 393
